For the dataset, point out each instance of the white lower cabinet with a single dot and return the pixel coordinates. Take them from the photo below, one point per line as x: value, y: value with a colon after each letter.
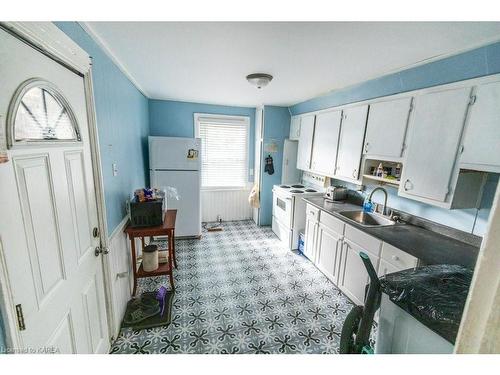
x: 329, y: 247
x: 352, y: 273
x: 334, y: 248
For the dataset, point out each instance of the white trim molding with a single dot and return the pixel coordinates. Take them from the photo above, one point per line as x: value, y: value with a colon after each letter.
x: 480, y: 326
x: 50, y: 40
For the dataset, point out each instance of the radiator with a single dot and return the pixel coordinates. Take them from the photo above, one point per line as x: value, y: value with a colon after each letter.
x: 229, y: 204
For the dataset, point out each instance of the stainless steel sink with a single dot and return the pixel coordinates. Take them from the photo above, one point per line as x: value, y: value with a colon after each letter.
x: 368, y: 219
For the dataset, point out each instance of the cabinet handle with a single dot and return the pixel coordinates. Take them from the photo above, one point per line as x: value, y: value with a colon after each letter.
x: 354, y: 173
x: 366, y: 147
x: 405, y: 186
x: 395, y: 257
x: 312, y: 213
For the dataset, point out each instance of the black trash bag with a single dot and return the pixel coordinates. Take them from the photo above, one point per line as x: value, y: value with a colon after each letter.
x: 435, y: 295
x: 269, y: 167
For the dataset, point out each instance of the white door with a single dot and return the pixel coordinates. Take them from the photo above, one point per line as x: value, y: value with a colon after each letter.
x: 351, y: 139
x: 482, y: 134
x: 289, y: 172
x: 329, y: 247
x: 49, y: 205
x: 353, y: 276
x: 326, y: 139
x: 310, y: 233
x: 386, y: 128
x: 305, y: 142
x: 295, y: 128
x: 259, y: 115
x: 187, y: 184
x: 435, y: 133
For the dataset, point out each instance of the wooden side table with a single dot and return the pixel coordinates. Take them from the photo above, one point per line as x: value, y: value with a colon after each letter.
x: 166, y: 229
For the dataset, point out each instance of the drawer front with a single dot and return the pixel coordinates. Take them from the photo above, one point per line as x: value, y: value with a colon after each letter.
x: 365, y: 241
x: 398, y: 258
x: 312, y: 212
x: 332, y: 223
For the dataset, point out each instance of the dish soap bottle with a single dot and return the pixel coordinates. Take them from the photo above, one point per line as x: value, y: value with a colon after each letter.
x: 367, y: 205
x: 380, y: 170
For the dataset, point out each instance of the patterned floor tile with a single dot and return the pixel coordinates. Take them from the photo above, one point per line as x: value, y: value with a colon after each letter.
x: 240, y: 291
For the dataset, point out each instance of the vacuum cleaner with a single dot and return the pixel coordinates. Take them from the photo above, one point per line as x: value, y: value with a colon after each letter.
x: 355, y: 335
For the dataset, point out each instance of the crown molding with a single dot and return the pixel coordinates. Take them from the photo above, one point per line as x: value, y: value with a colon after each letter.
x: 105, y: 48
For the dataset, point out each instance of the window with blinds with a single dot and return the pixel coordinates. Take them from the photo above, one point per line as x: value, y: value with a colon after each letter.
x: 224, y: 150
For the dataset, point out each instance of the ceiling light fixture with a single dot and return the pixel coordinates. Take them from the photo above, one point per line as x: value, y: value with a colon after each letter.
x: 259, y: 80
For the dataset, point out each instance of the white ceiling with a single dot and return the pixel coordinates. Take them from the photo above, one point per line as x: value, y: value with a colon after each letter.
x: 208, y: 62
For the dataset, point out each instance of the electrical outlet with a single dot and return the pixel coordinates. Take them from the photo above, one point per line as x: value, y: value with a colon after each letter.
x: 115, y: 169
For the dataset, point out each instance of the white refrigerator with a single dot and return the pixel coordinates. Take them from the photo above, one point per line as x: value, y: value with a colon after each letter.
x: 176, y: 162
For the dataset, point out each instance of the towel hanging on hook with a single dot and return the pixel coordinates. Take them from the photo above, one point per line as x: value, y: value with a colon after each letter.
x: 269, y: 167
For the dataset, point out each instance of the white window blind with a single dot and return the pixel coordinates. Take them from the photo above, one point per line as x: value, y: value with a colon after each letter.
x: 224, y: 150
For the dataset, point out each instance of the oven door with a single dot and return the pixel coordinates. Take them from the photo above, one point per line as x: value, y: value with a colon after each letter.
x: 283, y: 208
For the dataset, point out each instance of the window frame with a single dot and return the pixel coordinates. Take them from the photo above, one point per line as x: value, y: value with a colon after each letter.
x: 14, y: 104
x: 233, y: 119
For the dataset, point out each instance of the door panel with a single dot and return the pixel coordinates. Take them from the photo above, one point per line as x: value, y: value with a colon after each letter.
x: 352, y: 134
x: 436, y: 129
x: 79, y: 200
x: 386, y: 128
x: 64, y: 336
x: 305, y: 142
x: 37, y: 199
x: 482, y: 134
x: 47, y: 189
x: 329, y: 248
x: 326, y: 139
x: 353, y: 276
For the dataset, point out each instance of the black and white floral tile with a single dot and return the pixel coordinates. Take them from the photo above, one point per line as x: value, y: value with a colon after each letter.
x: 241, y: 291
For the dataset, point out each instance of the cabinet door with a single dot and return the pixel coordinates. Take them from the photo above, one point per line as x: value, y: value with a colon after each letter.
x: 435, y: 133
x: 310, y: 238
x: 385, y: 267
x: 326, y: 138
x: 352, y: 134
x: 353, y: 276
x: 295, y: 128
x: 482, y: 134
x: 329, y: 247
x: 386, y: 128
x: 305, y: 142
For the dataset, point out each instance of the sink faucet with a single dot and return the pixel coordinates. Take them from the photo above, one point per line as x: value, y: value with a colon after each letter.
x: 385, y: 199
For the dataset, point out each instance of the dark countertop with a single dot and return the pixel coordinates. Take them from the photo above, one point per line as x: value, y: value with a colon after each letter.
x: 434, y: 295
x: 428, y: 246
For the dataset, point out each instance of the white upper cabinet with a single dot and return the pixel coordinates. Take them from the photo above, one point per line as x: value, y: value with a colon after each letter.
x: 305, y: 142
x: 295, y: 128
x: 482, y: 133
x: 433, y: 143
x: 350, y: 147
x: 386, y: 128
x: 326, y: 138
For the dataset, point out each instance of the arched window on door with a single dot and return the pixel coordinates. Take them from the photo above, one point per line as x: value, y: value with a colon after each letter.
x: 39, y: 112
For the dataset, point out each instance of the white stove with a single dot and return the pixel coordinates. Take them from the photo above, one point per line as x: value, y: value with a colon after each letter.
x: 289, y: 209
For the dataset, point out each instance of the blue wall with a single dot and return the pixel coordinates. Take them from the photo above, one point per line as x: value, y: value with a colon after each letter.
x: 123, y: 124
x: 475, y: 63
x: 171, y: 118
x: 276, y: 129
